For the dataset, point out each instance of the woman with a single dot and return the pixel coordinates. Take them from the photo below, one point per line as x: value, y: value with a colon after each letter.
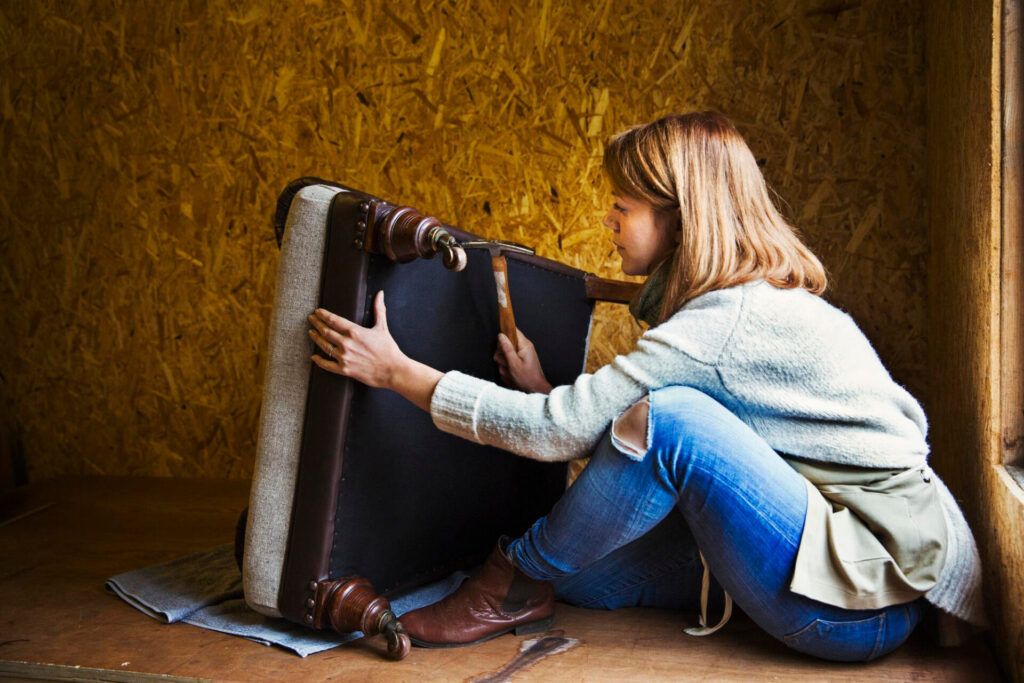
x: 753, y: 434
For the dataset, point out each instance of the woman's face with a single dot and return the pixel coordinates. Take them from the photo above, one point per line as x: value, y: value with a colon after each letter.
x: 643, y: 235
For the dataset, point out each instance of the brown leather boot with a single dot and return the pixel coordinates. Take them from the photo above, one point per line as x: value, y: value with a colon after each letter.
x: 497, y: 599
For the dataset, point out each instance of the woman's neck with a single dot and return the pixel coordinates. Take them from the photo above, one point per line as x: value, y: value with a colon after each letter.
x: 646, y: 305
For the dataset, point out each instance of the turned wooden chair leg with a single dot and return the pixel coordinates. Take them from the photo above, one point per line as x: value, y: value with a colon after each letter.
x: 351, y: 604
x: 348, y: 604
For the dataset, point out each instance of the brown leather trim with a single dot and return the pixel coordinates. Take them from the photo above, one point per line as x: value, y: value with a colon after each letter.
x: 329, y: 398
x: 284, y: 201
x: 616, y: 291
x: 532, y: 259
x: 598, y: 288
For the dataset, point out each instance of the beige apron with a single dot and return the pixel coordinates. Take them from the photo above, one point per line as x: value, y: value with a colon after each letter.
x: 872, y: 538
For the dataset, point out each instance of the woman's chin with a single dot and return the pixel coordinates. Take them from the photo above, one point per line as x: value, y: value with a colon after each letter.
x: 631, y: 269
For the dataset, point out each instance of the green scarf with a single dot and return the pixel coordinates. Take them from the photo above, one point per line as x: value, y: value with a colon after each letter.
x: 646, y: 305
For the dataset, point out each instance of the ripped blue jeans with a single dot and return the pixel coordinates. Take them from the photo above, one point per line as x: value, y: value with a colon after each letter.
x: 627, y: 532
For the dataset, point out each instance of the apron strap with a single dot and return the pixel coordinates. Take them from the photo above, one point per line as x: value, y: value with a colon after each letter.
x: 705, y: 585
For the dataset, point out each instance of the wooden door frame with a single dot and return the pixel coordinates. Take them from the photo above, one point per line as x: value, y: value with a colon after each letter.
x: 974, y: 293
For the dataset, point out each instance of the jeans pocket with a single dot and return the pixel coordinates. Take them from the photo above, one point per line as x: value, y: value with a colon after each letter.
x: 841, y: 641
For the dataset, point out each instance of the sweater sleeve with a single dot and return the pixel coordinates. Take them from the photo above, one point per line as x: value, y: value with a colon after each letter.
x: 568, y: 422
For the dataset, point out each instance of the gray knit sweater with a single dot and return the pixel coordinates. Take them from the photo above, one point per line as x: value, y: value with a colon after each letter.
x: 794, y: 368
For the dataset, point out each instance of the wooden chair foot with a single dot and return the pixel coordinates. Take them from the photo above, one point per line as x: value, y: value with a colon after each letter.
x: 351, y: 604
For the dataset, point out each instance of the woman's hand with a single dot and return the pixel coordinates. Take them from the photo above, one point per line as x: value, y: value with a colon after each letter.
x: 370, y: 355
x: 367, y: 354
x: 520, y: 369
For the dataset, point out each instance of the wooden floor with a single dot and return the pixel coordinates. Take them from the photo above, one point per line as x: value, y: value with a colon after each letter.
x: 60, y: 539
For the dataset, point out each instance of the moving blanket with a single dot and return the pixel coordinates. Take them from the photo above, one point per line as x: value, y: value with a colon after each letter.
x: 205, y: 590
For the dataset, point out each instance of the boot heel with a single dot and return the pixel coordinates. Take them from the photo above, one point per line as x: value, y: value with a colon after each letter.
x: 535, y: 626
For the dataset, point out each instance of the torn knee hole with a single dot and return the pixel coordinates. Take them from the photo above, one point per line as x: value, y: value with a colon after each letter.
x: 629, y: 431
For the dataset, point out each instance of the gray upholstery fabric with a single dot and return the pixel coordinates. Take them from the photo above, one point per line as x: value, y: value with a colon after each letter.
x: 284, y: 398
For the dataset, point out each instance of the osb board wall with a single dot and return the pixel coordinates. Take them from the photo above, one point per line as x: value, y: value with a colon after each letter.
x: 964, y: 312
x: 145, y: 144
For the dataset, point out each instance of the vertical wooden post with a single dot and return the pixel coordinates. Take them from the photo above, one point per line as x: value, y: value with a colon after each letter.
x: 973, y: 295
x: 1012, y: 280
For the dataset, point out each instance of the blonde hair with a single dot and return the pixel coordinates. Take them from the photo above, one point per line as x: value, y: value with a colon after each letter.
x: 699, y: 168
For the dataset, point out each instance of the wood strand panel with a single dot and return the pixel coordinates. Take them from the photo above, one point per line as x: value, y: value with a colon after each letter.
x: 145, y: 144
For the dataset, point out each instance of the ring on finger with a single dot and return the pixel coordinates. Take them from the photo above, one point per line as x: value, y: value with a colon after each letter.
x: 330, y: 350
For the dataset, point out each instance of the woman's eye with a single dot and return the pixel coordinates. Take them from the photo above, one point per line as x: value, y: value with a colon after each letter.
x: 618, y: 207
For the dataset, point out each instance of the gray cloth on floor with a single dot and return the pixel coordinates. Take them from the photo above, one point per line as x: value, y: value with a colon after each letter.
x: 205, y: 589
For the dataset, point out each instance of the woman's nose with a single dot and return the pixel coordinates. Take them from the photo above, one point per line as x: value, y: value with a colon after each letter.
x: 608, y: 222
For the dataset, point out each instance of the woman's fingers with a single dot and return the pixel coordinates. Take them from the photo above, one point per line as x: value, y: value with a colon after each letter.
x: 322, y: 329
x: 328, y: 338
x: 379, y: 311
x: 524, y: 341
x: 329, y: 365
x: 325, y: 345
x: 332, y: 328
x: 521, y: 365
x: 365, y: 354
x: 502, y: 361
x: 522, y: 353
x: 329, y: 320
x: 505, y: 344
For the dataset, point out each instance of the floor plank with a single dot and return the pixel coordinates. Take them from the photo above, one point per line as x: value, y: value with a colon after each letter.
x: 60, y: 539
